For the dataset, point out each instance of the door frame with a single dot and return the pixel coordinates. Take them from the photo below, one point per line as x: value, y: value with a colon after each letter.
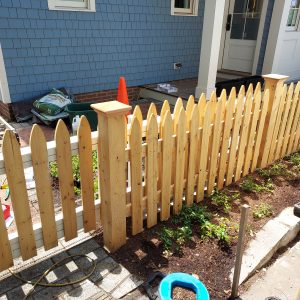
x: 258, y: 40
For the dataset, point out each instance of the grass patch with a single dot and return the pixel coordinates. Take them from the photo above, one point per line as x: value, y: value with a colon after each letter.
x: 249, y: 185
x: 191, y: 220
x: 221, y: 199
x: 262, y: 210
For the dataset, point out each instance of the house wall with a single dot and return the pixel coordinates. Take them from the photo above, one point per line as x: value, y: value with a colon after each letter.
x: 87, y: 52
x: 265, y: 37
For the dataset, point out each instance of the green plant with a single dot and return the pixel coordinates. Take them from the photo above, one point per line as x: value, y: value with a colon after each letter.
x: 277, y: 169
x: 262, y: 210
x: 193, y: 217
x: 294, y: 159
x: 221, y: 199
x: 249, y: 185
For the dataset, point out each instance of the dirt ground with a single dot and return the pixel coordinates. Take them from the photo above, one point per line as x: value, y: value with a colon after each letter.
x: 209, y: 260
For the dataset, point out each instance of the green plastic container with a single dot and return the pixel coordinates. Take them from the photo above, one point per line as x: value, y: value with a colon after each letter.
x: 80, y: 109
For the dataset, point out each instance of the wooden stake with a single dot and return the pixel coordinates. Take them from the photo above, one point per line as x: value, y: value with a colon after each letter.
x: 239, y: 251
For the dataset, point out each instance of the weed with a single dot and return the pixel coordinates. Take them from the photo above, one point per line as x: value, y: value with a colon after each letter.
x: 294, y: 159
x: 193, y: 217
x: 262, y: 210
x: 76, y: 171
x: 277, y: 169
x: 249, y: 185
x: 221, y: 199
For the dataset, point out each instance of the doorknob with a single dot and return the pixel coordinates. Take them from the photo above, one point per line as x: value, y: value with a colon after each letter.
x: 228, y: 23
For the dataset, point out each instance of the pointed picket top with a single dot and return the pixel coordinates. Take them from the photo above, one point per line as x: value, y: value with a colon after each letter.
x: 152, y: 110
x: 190, y: 105
x: 177, y: 108
x: 83, y: 126
x: 201, y: 108
x: 242, y: 91
x: 61, y: 129
x: 213, y: 103
x: 165, y: 108
x: 138, y: 114
x: 222, y: 101
x: 257, y: 89
x: 151, y: 119
x: 250, y: 89
x: 232, y: 93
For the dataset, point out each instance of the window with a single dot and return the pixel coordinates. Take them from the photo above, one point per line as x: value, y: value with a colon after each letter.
x: 294, y: 15
x: 184, y: 7
x: 79, y: 5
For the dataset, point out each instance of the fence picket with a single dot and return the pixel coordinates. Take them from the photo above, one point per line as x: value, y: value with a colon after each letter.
x: 166, y: 166
x: 263, y: 160
x: 216, y: 137
x: 66, y: 182
x: 138, y: 114
x: 39, y: 157
x: 291, y: 117
x: 151, y: 169
x: 204, y: 152
x: 297, y: 132
x: 193, y: 129
x: 235, y: 135
x: 284, y: 121
x: 180, y: 130
x: 244, y: 136
x: 135, y: 142
x: 152, y: 110
x: 6, y: 260
x: 277, y: 124
x: 165, y: 108
x: 18, y: 193
x: 86, y: 174
x: 177, y: 109
x: 260, y: 129
x: 226, y: 137
x: 253, y: 127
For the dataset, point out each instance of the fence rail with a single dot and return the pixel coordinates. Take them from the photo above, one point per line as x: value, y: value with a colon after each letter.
x: 148, y: 168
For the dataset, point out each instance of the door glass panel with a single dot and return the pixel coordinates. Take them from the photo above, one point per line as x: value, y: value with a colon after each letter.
x: 183, y: 3
x: 245, y: 19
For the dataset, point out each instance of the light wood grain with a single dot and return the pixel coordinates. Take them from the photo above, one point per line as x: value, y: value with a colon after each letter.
x: 151, y: 169
x: 192, y: 152
x: 166, y: 167
x: 226, y: 137
x: 66, y: 181
x: 39, y: 156
x: 135, y: 142
x: 152, y: 110
x: 180, y: 130
x: 18, y: 194
x: 138, y: 114
x: 86, y: 174
x: 235, y: 136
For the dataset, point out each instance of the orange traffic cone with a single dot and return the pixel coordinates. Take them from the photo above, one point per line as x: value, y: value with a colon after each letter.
x: 122, y: 91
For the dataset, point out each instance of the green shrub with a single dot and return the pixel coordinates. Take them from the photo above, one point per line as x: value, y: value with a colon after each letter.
x: 294, y: 159
x: 221, y: 199
x: 249, y: 185
x: 277, y: 169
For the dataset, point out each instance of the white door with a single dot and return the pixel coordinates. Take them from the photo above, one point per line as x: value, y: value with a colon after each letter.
x: 241, y: 33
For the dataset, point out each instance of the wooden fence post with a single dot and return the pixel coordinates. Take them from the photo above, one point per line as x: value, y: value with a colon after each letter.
x: 271, y: 83
x: 111, y: 165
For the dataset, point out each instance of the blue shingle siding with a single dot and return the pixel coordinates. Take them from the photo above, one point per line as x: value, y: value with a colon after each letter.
x: 265, y: 37
x: 87, y: 52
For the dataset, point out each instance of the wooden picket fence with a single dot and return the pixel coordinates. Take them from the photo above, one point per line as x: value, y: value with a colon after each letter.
x: 160, y: 163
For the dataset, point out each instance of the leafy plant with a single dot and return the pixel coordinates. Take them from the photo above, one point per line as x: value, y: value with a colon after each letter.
x: 294, y: 159
x: 277, y: 169
x: 263, y: 210
x: 221, y: 199
x: 249, y: 185
x: 193, y: 217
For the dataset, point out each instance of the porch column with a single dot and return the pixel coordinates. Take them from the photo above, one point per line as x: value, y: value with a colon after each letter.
x: 210, y: 46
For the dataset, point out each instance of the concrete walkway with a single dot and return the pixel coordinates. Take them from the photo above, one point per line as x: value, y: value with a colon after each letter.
x: 281, y: 280
x: 109, y: 281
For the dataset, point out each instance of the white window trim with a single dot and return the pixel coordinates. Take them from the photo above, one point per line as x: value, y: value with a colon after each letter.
x: 297, y: 26
x: 88, y: 6
x: 188, y: 12
x: 4, y: 89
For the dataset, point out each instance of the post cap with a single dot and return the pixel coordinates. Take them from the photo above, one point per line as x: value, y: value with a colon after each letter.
x: 111, y: 108
x: 275, y: 77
